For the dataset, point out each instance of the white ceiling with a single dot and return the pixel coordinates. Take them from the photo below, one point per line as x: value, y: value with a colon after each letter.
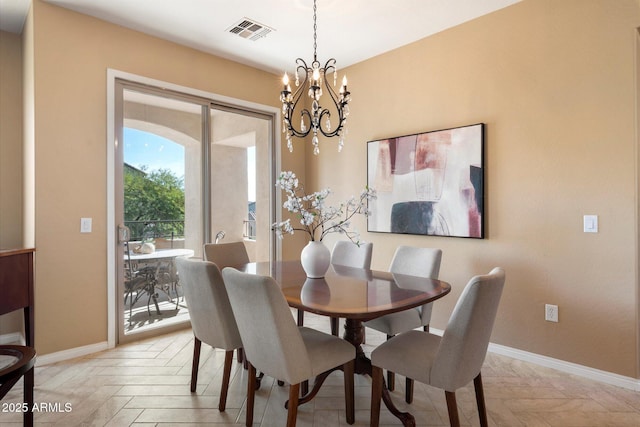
x: 348, y: 30
x: 13, y: 14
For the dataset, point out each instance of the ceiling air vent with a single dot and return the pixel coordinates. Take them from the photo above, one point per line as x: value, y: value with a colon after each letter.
x: 249, y: 29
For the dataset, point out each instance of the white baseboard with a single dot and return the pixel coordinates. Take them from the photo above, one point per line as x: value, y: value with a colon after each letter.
x: 12, y: 338
x: 72, y: 353
x: 568, y: 367
x: 561, y: 365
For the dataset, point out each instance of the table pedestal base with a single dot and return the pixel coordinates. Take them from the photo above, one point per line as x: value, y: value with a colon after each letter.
x: 354, y: 333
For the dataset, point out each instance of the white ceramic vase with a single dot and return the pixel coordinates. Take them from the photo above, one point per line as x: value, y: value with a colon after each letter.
x: 315, y: 259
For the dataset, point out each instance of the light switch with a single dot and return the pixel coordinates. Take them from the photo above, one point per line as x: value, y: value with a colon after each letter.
x: 85, y: 225
x: 591, y: 223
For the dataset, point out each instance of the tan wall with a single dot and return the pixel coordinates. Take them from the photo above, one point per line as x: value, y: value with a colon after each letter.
x: 229, y: 187
x: 28, y: 131
x: 72, y: 54
x: 554, y: 82
x: 10, y: 155
x: 10, y: 140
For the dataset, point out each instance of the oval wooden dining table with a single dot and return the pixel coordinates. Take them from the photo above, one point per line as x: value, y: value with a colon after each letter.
x: 355, y: 294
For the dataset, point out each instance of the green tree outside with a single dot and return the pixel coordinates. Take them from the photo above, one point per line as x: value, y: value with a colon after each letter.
x: 153, y: 203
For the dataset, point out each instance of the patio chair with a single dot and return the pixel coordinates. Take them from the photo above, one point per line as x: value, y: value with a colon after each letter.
x: 138, y: 282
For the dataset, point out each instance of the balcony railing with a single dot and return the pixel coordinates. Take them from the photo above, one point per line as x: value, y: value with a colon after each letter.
x: 249, y: 229
x: 249, y: 226
x: 152, y: 229
x: 174, y: 229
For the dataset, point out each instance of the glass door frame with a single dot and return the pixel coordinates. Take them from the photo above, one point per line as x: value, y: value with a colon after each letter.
x: 114, y: 139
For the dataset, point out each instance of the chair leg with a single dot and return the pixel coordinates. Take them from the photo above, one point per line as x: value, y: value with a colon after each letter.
x: 292, y: 411
x: 349, y: 395
x: 259, y: 380
x: 482, y: 409
x: 453, y: 408
x: 391, y: 381
x: 391, y: 378
x: 408, y: 395
x: 28, y: 397
x: 300, y: 317
x: 196, y: 362
x: 130, y: 305
x: 226, y: 374
x: 240, y: 355
x: 376, y: 395
x: 251, y: 394
x: 335, y: 325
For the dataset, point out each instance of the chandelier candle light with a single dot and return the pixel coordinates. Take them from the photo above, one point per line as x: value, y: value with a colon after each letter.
x: 311, y: 121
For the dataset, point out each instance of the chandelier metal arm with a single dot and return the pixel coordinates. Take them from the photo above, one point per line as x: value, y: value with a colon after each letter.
x: 311, y: 120
x: 330, y: 68
x: 290, y: 106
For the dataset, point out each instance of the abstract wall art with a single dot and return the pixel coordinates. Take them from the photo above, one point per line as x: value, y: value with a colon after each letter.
x: 430, y: 183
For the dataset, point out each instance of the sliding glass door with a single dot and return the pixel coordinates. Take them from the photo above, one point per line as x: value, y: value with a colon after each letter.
x: 240, y: 189
x: 188, y: 171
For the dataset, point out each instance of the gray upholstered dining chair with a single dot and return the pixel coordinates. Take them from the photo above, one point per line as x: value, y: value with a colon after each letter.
x: 211, y: 316
x: 349, y: 254
x: 421, y: 262
x: 226, y: 254
x: 278, y: 348
x: 223, y: 255
x: 451, y: 361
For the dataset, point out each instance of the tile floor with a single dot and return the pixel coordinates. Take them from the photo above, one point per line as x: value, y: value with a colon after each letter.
x: 147, y: 384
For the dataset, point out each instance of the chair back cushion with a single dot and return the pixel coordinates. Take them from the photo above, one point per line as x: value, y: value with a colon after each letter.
x: 210, y: 311
x: 422, y: 262
x: 464, y: 344
x: 231, y: 254
x: 270, y: 337
x: 347, y: 253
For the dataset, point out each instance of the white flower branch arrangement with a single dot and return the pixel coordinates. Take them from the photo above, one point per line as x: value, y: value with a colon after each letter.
x: 316, y: 218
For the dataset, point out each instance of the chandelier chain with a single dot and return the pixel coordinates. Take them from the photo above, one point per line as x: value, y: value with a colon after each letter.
x: 315, y: 31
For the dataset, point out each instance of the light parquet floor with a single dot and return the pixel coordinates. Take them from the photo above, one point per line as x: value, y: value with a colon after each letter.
x: 147, y: 384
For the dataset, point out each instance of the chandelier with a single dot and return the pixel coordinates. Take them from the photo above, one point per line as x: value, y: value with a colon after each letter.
x: 318, y: 119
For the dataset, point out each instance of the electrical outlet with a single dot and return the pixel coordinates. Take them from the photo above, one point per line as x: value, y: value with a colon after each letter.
x: 551, y: 313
